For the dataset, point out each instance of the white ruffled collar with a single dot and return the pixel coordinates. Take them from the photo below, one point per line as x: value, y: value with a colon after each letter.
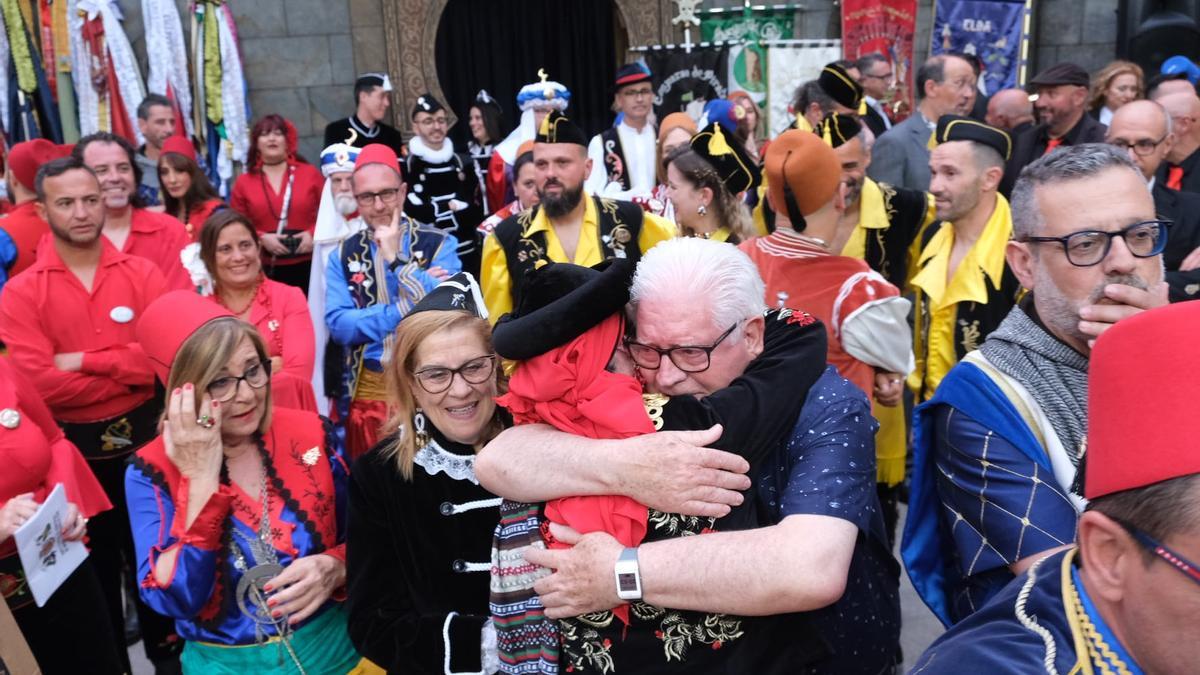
x: 417, y: 147
x: 434, y: 459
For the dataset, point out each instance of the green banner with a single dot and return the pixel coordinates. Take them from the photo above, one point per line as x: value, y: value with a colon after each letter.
x: 747, y: 28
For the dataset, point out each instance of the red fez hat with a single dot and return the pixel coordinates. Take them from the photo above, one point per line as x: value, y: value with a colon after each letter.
x: 25, y: 158
x: 169, y: 321
x: 377, y: 153
x: 1142, y: 374
x: 180, y: 146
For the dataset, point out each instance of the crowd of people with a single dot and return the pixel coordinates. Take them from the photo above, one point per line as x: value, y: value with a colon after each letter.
x: 643, y: 401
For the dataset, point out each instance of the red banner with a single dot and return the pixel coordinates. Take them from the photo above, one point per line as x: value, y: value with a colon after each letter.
x: 886, y: 27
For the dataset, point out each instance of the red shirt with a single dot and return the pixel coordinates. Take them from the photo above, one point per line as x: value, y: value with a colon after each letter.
x: 47, y: 311
x: 37, y: 456
x: 195, y: 221
x: 26, y: 228
x: 159, y: 238
x: 254, y: 197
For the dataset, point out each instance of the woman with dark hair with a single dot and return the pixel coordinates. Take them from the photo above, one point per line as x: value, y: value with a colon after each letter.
x: 238, y: 508
x: 704, y: 182
x: 281, y: 194
x: 485, y: 120
x: 186, y: 192
x: 229, y: 248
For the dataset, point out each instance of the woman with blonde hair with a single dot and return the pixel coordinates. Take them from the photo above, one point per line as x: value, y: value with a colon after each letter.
x: 237, y: 509
x: 420, y: 525
x: 1115, y: 85
x: 705, y: 181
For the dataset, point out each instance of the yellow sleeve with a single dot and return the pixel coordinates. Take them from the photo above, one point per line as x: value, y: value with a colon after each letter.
x: 497, y: 287
x: 760, y: 210
x: 655, y: 229
x: 914, y: 249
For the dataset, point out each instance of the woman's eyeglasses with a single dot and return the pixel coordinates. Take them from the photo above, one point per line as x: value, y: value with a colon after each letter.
x: 225, y: 388
x: 437, y: 379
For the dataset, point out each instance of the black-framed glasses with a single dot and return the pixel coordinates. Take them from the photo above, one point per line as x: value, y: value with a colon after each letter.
x: 1088, y: 247
x: 436, y: 379
x: 1191, y: 569
x: 1141, y: 147
x: 885, y: 76
x: 225, y: 388
x: 388, y: 196
x: 688, y: 358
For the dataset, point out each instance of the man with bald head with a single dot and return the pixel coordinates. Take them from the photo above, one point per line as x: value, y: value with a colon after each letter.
x: 1010, y: 110
x: 1181, y: 171
x: 1143, y: 129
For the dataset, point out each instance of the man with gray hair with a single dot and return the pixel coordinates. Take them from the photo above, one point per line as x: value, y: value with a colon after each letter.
x: 878, y: 81
x: 824, y: 566
x: 996, y: 450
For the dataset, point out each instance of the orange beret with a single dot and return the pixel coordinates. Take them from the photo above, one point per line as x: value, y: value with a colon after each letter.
x: 809, y: 167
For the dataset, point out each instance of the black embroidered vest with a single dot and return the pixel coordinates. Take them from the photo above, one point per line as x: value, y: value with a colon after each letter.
x: 614, y: 158
x: 887, y: 249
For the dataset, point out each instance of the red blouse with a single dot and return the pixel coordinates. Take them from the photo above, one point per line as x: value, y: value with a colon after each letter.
x: 37, y: 456
x: 159, y: 238
x: 46, y: 311
x: 195, y: 221
x: 254, y: 197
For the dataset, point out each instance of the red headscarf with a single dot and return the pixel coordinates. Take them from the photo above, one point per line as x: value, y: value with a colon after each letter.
x: 569, y: 388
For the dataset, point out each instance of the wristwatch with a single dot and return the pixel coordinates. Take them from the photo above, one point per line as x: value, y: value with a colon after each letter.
x: 629, y: 579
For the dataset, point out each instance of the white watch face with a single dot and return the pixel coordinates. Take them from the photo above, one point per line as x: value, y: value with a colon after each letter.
x: 627, y: 582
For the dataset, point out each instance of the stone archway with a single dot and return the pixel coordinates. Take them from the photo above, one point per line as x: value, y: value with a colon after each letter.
x: 410, y: 34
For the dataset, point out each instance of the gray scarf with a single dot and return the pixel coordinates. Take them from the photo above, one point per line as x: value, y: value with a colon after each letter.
x: 1053, y: 373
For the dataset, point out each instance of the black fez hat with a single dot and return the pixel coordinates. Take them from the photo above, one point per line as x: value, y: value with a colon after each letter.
x: 483, y: 98
x: 426, y: 103
x: 558, y: 128
x: 374, y: 80
x: 458, y: 293
x: 1062, y: 73
x: 631, y: 73
x: 837, y: 129
x: 837, y: 83
x: 960, y: 128
x: 560, y: 302
x: 734, y: 166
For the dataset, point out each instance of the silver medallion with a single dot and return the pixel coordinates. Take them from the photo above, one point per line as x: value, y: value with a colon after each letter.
x: 9, y: 418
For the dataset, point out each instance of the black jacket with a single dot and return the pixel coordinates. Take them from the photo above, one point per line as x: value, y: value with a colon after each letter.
x: 1183, y: 209
x: 874, y: 122
x: 1191, y: 173
x: 1031, y: 144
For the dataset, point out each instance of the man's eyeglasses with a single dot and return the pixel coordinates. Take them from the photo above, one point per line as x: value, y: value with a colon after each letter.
x: 886, y: 77
x: 437, y: 379
x: 433, y: 122
x: 388, y: 196
x: 688, y: 358
x: 1141, y: 147
x: 1191, y: 569
x: 225, y: 388
x: 636, y: 93
x: 1089, y: 247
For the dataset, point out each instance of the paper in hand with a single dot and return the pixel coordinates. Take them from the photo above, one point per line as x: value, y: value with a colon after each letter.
x: 47, y: 558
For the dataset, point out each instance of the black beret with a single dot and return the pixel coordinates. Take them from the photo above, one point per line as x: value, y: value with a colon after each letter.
x: 560, y: 302
x: 837, y: 83
x: 959, y: 128
x: 426, y: 103
x: 558, y: 128
x: 1062, y: 73
x: 734, y: 166
x: 458, y: 293
x: 837, y: 129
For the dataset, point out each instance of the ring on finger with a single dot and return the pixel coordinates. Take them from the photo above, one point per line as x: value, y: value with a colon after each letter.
x: 206, y: 421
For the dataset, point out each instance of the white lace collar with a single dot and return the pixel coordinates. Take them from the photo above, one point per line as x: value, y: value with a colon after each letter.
x: 434, y: 458
x: 417, y: 147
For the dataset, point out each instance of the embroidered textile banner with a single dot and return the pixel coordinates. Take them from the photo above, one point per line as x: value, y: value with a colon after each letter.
x: 997, y: 31
x: 684, y: 82
x: 787, y: 68
x: 886, y: 27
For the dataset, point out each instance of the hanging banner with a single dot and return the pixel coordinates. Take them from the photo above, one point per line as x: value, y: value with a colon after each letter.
x: 789, y: 66
x: 996, y: 31
x: 748, y: 56
x: 684, y: 82
x: 884, y: 27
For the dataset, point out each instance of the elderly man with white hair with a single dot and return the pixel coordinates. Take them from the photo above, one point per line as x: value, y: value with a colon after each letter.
x: 824, y: 566
x: 337, y: 219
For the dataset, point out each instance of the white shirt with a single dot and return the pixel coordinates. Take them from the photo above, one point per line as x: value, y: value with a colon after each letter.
x: 878, y: 107
x: 639, y: 148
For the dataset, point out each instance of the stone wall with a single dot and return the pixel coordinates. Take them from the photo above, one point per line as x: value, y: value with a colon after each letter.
x: 301, y: 56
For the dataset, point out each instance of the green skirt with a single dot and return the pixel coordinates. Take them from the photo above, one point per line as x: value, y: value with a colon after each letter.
x: 322, y: 645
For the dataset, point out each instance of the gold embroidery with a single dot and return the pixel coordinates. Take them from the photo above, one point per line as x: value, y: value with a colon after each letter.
x: 676, y: 525
x: 583, y: 647
x: 117, y: 436
x: 678, y: 636
x: 970, y: 335
x: 654, y: 408
x: 1101, y: 655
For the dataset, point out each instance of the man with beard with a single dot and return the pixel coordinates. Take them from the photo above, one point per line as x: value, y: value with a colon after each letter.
x: 900, y: 157
x: 337, y: 219
x: 1143, y: 129
x: 68, y: 324
x: 132, y: 229
x: 962, y: 288
x: 568, y: 225
x: 622, y: 156
x: 156, y: 121
x: 996, y: 450
x: 373, y: 280
x: 1061, y: 107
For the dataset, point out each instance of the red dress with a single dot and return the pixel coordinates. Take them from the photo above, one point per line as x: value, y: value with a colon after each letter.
x: 26, y: 228
x: 197, y: 216
x: 254, y: 197
x: 280, y: 313
x: 159, y: 238
x: 47, y: 311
